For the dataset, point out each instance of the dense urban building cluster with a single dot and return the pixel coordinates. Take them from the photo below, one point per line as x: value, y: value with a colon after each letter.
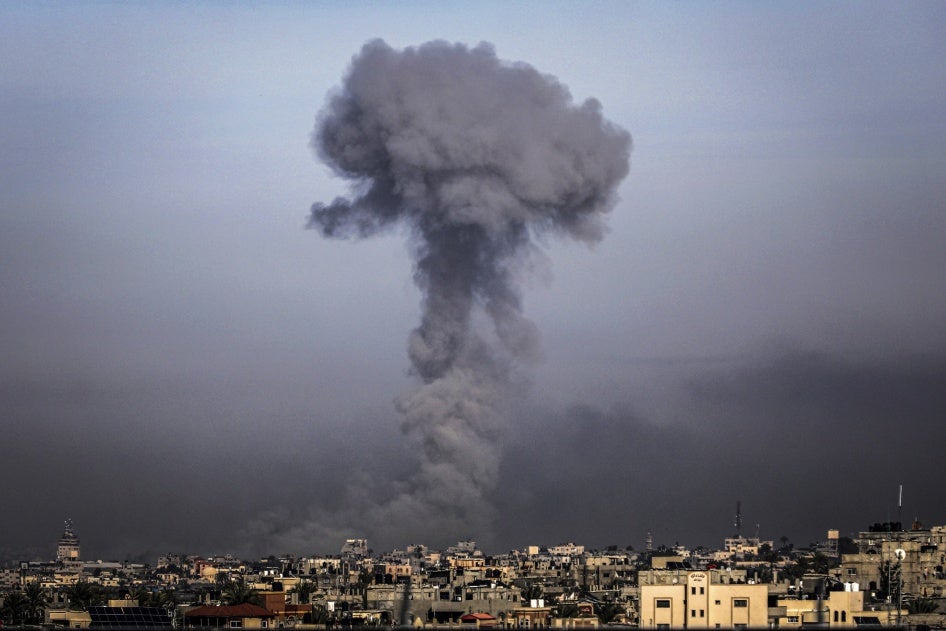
x: 885, y: 576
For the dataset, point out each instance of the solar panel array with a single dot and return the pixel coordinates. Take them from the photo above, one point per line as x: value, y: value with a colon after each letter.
x: 129, y: 618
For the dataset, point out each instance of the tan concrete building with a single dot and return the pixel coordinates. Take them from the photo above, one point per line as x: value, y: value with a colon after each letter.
x: 68, y: 562
x: 665, y: 561
x: 467, y: 563
x: 444, y: 603
x: 700, y: 602
x: 67, y: 552
x: 840, y: 609
x: 741, y: 546
x: 529, y: 617
x: 917, y: 557
x: 397, y: 571
x: 67, y: 618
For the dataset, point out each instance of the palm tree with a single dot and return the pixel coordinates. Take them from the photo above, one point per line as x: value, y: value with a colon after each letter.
x: 15, y: 608
x: 165, y: 599
x: 608, y: 612
x: 922, y: 605
x: 321, y: 615
x: 36, y: 601
x: 532, y: 591
x: 305, y: 589
x: 238, y: 592
x: 142, y: 596
x: 83, y: 595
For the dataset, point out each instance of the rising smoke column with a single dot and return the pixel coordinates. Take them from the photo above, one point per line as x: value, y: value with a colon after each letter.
x: 474, y: 156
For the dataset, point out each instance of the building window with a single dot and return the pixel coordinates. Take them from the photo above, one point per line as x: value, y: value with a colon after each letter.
x: 716, y: 602
x: 702, y: 613
x: 793, y: 618
x: 740, y: 602
x: 693, y: 591
x: 663, y: 603
x: 702, y: 590
x: 663, y: 627
x: 693, y: 613
x: 236, y: 624
x: 843, y: 616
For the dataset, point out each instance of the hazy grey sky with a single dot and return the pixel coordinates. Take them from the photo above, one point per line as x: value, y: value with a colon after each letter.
x: 185, y: 366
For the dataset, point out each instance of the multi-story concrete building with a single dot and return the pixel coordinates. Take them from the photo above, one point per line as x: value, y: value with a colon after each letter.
x: 899, y: 564
x: 843, y: 609
x: 444, y: 603
x: 11, y: 578
x: 702, y: 601
x: 392, y: 572
x: 67, y: 552
x: 355, y: 547
x: 566, y: 552
x: 741, y: 546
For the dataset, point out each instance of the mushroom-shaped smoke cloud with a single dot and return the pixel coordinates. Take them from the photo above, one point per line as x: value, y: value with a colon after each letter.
x: 474, y: 156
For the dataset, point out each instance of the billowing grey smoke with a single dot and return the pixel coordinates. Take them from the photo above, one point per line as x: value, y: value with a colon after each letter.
x: 474, y: 156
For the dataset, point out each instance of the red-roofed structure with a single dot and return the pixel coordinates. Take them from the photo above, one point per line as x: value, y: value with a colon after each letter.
x: 479, y: 619
x: 248, y: 616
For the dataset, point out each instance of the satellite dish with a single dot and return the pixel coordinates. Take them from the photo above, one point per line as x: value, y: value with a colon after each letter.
x: 901, y: 553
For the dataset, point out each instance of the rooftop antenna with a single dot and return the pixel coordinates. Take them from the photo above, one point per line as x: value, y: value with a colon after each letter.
x: 900, y: 507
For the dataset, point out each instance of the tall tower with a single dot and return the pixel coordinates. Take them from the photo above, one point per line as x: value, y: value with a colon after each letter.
x: 738, y: 522
x: 67, y: 553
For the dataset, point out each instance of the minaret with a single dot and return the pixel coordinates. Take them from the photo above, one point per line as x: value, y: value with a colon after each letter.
x: 67, y: 553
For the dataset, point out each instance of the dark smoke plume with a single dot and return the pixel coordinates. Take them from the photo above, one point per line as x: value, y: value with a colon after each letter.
x: 474, y: 156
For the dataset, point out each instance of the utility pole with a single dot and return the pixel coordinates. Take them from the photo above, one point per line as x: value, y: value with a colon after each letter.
x: 901, y: 554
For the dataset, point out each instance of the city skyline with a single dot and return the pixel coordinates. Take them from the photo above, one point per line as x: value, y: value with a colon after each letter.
x: 883, y: 576
x: 185, y: 363
x: 66, y: 552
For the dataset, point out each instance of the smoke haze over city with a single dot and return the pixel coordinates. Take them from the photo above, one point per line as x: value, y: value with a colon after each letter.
x: 747, y: 306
